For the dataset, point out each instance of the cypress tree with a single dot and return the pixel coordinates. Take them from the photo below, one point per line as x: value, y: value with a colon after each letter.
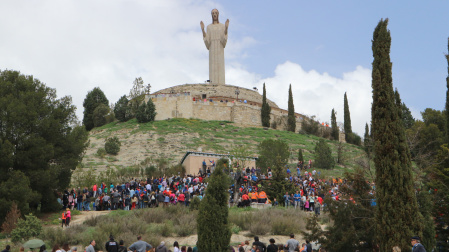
x: 291, y: 120
x: 214, y: 233
x: 347, y: 122
x: 300, y: 156
x: 266, y: 109
x: 335, y: 132
x: 447, y: 95
x: 397, y: 216
x: 323, y: 155
x: 367, y: 141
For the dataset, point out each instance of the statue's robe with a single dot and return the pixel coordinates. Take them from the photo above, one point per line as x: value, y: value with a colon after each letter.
x: 215, y: 41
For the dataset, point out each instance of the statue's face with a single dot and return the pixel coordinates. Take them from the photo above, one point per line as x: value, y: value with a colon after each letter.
x: 214, y: 14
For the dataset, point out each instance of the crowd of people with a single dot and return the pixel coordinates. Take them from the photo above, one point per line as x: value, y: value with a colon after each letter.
x: 136, y: 194
x: 165, y: 191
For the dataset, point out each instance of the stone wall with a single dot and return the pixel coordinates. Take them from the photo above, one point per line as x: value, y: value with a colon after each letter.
x: 185, y: 106
x: 207, y: 91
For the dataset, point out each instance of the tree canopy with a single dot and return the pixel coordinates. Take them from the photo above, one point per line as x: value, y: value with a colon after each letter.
x: 397, y: 216
x: 40, y: 143
x: 93, y: 99
x: 269, y: 150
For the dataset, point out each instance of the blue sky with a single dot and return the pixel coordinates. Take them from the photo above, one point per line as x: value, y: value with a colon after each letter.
x: 323, y: 48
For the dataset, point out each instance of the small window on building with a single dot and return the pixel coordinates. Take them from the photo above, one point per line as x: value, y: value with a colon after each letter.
x: 203, y: 96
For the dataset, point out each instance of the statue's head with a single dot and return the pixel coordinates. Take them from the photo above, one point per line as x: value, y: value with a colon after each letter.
x: 215, y: 14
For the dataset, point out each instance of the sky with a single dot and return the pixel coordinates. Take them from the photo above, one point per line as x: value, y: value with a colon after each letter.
x: 322, y: 48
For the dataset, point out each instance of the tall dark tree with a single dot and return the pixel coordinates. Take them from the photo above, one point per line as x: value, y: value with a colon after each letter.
x: 291, y: 120
x: 335, y: 131
x: 93, y: 98
x: 347, y: 123
x: 323, y: 155
x: 300, y: 156
x: 265, y: 110
x: 354, y: 226
x: 100, y: 115
x: 146, y: 112
x: 441, y: 179
x: 40, y: 144
x: 397, y: 215
x: 278, y: 186
x: 367, y: 141
x: 447, y: 95
x: 122, y: 109
x: 269, y: 150
x: 407, y: 116
x: 214, y: 233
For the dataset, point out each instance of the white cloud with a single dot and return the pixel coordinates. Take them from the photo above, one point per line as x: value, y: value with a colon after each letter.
x: 74, y: 46
x: 316, y: 93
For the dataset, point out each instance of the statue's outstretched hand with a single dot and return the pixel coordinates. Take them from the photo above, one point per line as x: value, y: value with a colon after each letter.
x: 202, y: 25
x: 226, y: 26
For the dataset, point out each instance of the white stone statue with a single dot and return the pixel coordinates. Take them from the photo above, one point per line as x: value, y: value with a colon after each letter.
x: 215, y: 40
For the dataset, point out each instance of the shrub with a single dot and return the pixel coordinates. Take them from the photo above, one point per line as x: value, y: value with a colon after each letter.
x: 11, y: 219
x: 101, y: 152
x: 235, y: 229
x: 353, y: 138
x: 166, y: 229
x: 323, y: 155
x: 25, y: 229
x: 195, y: 204
x: 112, y: 145
x: 310, y: 126
x: 259, y: 228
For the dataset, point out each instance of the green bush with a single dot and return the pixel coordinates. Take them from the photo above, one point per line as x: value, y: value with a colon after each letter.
x: 323, y: 155
x: 235, y: 229
x: 310, y: 126
x: 146, y: 112
x: 112, y: 145
x: 25, y: 229
x: 195, y: 204
x: 353, y: 138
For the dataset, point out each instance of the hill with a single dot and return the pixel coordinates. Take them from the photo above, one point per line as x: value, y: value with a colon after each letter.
x: 165, y: 142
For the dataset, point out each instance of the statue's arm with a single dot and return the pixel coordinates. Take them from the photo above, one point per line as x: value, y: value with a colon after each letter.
x: 206, y: 38
x: 224, y: 37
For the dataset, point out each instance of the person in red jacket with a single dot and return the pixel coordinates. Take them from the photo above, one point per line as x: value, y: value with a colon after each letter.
x: 181, y: 198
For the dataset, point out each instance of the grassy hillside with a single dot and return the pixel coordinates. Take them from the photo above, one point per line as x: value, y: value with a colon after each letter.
x: 170, y: 139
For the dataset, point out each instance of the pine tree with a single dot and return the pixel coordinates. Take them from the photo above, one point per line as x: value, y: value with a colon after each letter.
x: 313, y: 227
x: 214, y: 233
x: 278, y: 186
x: 291, y: 121
x: 397, y: 216
x: 265, y: 110
x: 335, y: 130
x: 122, y: 109
x: 146, y: 112
x: 353, y: 228
x: 347, y: 122
x: 91, y: 102
x: 300, y: 156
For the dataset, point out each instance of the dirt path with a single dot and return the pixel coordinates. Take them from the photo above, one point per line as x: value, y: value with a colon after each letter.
x: 80, y: 218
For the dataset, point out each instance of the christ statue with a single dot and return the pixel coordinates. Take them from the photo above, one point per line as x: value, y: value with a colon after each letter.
x: 215, y: 39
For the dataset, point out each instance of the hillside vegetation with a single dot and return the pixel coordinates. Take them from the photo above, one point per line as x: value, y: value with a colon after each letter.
x: 167, y: 141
